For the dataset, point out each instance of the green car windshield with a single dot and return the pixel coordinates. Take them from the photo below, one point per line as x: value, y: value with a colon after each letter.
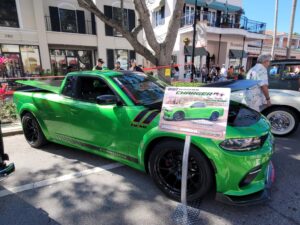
x: 140, y: 88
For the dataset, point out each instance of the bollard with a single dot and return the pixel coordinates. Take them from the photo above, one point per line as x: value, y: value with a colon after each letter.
x: 5, y: 170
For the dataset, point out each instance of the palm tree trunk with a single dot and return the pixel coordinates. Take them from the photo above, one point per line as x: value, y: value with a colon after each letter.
x: 288, y: 51
x: 275, y: 29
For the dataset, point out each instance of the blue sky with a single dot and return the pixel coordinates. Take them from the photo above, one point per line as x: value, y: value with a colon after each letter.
x: 263, y: 10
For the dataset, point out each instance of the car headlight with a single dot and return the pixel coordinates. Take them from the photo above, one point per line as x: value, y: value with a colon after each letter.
x: 241, y: 144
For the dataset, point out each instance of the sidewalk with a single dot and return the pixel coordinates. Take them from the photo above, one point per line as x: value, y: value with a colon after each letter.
x: 10, y: 129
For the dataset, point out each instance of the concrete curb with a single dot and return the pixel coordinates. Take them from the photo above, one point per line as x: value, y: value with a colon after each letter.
x: 11, y: 129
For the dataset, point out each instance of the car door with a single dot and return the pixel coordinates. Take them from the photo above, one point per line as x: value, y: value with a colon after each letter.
x: 197, y: 110
x: 98, y: 127
x: 55, y: 109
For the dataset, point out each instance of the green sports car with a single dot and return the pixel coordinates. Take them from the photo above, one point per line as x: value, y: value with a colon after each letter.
x: 116, y: 115
x: 197, y: 110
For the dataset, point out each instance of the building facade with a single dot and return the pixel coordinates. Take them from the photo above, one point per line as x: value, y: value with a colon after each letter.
x: 223, y: 32
x: 265, y: 46
x: 53, y: 35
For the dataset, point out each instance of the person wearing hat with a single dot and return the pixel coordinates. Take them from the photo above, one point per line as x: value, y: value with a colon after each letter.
x: 99, y: 65
x: 118, y: 66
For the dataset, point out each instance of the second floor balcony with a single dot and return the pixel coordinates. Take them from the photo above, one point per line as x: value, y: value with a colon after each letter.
x: 71, y: 26
x: 225, y: 21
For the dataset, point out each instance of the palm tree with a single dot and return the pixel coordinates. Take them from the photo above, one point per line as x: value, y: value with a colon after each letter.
x: 288, y: 50
x: 275, y: 28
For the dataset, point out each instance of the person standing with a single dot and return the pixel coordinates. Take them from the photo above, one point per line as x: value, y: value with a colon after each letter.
x: 134, y: 67
x: 204, y: 73
x: 118, y: 66
x: 241, y: 73
x: 258, y: 98
x: 230, y: 73
x: 99, y: 65
x: 223, y: 73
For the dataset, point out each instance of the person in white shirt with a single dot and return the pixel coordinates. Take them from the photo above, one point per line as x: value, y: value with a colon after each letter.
x: 223, y: 73
x: 258, y: 98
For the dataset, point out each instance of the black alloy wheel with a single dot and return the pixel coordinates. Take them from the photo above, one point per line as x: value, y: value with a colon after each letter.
x: 165, y: 166
x: 178, y: 116
x: 32, y: 131
x: 214, y: 116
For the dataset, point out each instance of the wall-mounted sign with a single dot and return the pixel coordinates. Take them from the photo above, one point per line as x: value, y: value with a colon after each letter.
x: 196, y: 111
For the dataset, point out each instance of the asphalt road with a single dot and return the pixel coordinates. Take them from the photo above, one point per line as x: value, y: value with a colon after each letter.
x: 59, y: 185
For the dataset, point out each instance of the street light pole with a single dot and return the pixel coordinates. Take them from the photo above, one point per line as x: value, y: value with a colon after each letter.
x: 194, y: 43
x: 275, y: 29
x: 288, y: 50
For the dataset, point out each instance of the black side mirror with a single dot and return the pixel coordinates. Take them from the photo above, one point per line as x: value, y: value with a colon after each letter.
x: 107, y: 100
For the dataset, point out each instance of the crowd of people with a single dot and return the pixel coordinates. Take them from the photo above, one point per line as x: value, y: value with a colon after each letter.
x: 216, y: 73
x: 117, y: 66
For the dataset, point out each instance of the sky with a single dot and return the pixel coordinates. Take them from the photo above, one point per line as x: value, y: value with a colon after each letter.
x: 264, y: 11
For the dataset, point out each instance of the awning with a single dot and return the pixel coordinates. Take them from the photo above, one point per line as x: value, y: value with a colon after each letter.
x: 215, y: 5
x: 237, y: 54
x: 188, y: 50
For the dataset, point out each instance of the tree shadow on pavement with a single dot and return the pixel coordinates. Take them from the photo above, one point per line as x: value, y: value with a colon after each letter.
x: 15, y: 210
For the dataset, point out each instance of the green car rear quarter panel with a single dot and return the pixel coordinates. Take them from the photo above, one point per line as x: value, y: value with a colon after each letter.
x: 194, y: 113
x: 127, y: 134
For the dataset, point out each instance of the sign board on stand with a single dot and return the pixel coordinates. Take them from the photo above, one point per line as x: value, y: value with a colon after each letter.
x: 194, y: 111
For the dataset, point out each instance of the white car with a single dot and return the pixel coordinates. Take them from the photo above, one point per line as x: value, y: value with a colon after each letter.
x: 284, y: 113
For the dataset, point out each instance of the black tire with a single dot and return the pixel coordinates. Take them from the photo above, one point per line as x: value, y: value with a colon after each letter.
x: 283, y: 125
x: 164, y: 166
x: 178, y: 116
x: 32, y: 131
x: 214, y: 116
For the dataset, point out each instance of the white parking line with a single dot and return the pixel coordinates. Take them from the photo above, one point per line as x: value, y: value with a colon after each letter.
x: 43, y: 183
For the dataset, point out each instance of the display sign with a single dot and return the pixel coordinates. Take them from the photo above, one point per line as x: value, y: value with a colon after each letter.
x: 167, y: 72
x: 196, y: 111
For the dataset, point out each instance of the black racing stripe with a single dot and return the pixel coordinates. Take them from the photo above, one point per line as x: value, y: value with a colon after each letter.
x: 140, y: 116
x: 74, y: 141
x: 150, y: 117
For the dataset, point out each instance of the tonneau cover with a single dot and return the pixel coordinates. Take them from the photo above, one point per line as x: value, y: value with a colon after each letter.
x: 41, y: 85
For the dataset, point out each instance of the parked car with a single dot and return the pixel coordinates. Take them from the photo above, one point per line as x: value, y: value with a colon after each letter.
x: 116, y: 115
x: 284, y: 74
x: 197, y: 110
x: 283, y: 114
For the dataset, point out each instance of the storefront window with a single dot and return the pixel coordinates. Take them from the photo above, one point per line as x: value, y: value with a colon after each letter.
x: 122, y: 57
x: 30, y: 59
x: 10, y: 48
x: 8, y: 13
x: 64, y: 61
x: 68, y: 20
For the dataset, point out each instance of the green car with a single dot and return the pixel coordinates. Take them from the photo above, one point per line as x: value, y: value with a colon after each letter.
x: 116, y: 115
x: 197, y: 110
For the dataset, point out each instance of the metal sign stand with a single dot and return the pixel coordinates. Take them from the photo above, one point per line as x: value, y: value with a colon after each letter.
x: 185, y: 161
x: 184, y: 214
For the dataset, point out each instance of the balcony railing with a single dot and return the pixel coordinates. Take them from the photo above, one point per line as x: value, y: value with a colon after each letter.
x: 229, y: 21
x: 88, y: 27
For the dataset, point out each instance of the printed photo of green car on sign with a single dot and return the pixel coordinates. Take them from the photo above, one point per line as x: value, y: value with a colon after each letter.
x: 197, y: 110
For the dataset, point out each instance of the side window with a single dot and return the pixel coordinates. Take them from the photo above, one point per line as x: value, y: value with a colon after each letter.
x: 291, y: 72
x: 274, y: 72
x: 198, y: 105
x: 89, y: 88
x: 69, y: 88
